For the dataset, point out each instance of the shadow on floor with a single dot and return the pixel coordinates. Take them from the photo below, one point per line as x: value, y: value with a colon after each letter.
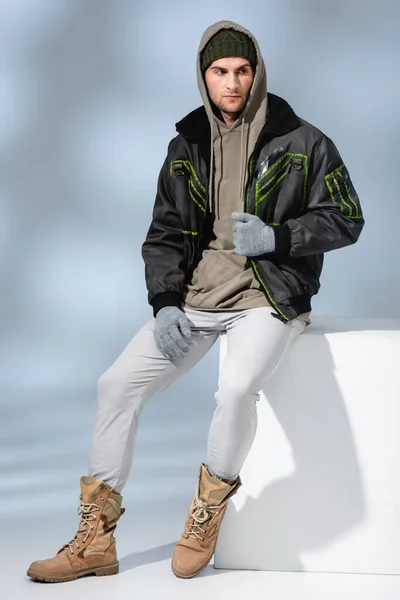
x: 158, y: 554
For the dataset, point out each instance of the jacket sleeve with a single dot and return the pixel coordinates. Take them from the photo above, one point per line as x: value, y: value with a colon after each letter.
x: 333, y: 217
x: 162, y: 250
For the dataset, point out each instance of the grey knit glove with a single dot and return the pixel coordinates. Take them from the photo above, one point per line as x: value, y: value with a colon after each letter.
x: 171, y: 330
x: 251, y: 236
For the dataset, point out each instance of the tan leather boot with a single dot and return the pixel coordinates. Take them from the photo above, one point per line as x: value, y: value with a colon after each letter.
x: 92, y: 551
x: 196, y: 547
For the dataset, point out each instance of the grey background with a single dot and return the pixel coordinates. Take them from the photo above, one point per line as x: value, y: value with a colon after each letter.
x: 89, y: 94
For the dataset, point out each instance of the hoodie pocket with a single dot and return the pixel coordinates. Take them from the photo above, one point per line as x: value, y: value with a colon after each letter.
x: 289, y: 171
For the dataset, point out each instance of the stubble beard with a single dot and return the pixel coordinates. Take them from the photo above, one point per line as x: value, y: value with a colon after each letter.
x: 225, y: 108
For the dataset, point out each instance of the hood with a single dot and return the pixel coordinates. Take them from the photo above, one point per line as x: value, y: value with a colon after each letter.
x: 258, y: 92
x: 252, y: 118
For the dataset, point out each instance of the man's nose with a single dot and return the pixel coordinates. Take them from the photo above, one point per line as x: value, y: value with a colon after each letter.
x: 232, y: 81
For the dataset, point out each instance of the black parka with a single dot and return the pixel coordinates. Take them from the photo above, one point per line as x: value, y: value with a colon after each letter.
x: 297, y: 184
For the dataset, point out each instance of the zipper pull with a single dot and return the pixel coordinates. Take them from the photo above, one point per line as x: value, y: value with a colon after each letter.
x: 278, y: 316
x: 296, y: 164
x: 179, y: 169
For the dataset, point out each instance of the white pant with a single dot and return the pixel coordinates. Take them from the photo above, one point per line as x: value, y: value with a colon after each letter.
x: 256, y: 343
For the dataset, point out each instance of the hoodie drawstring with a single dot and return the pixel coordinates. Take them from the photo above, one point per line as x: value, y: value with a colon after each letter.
x: 243, y: 164
x: 211, y: 179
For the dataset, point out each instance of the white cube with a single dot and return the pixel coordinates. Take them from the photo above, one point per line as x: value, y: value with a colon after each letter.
x: 321, y: 484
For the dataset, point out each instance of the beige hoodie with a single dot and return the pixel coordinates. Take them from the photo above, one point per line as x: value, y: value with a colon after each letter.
x: 222, y: 281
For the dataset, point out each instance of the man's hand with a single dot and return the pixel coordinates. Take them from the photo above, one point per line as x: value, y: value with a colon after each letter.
x: 171, y: 330
x: 251, y: 237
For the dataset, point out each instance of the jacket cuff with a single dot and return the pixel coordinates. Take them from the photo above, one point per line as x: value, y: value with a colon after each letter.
x: 283, y: 239
x: 159, y: 301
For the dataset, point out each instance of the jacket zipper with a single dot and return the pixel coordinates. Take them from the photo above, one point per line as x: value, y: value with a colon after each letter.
x: 250, y: 198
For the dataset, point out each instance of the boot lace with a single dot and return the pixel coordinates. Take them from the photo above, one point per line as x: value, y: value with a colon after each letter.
x: 201, y: 512
x: 86, y: 511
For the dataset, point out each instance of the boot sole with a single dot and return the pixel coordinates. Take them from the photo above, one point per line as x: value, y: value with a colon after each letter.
x: 98, y: 571
x: 189, y: 576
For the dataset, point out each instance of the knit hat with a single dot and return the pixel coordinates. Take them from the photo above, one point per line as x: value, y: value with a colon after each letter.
x: 228, y: 42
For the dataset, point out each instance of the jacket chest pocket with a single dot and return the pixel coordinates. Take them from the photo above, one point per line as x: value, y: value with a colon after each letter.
x: 191, y: 192
x: 280, y: 188
x: 191, y: 201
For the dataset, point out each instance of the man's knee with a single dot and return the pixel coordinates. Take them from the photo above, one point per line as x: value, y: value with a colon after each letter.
x: 119, y: 389
x: 236, y: 390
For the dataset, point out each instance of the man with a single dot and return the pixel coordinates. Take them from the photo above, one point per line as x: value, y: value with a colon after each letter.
x: 249, y: 199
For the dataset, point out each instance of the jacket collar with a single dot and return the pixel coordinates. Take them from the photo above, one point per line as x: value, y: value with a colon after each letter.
x: 281, y: 119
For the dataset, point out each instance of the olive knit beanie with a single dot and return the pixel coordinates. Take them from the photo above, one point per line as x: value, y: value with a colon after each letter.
x: 228, y: 42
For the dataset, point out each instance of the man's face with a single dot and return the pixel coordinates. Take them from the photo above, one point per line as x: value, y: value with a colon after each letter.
x: 229, y: 81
